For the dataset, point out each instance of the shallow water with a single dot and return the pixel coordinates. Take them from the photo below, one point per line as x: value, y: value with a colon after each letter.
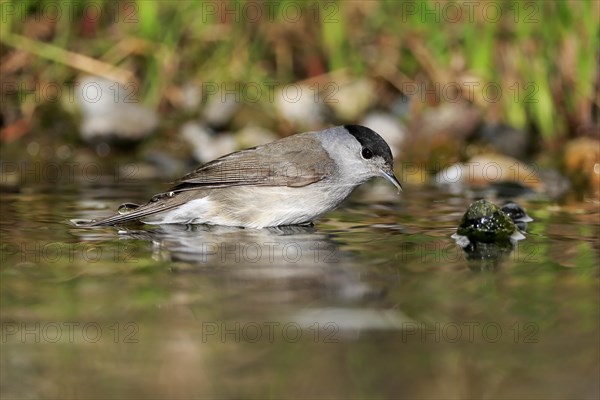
x: 374, y: 301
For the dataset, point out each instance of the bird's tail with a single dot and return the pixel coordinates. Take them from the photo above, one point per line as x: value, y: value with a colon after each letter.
x: 128, y: 212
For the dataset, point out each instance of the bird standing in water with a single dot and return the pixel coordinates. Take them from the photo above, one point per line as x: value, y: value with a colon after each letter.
x: 290, y: 181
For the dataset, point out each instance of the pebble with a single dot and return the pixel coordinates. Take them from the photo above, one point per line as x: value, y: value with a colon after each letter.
x: 220, y: 109
x: 352, y: 99
x: 207, y: 145
x: 300, y: 105
x: 112, y: 113
x: 489, y: 169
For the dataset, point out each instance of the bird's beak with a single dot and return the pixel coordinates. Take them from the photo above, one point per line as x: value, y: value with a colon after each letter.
x: 389, y: 175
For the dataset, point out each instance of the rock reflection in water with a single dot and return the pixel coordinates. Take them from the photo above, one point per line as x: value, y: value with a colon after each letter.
x: 487, y: 256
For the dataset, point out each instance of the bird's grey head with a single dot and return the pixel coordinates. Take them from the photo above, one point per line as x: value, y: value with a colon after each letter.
x: 360, y: 153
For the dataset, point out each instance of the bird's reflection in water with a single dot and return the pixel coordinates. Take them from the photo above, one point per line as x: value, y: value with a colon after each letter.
x: 298, y: 258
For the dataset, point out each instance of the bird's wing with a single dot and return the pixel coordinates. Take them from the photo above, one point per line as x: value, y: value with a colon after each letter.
x: 294, y: 163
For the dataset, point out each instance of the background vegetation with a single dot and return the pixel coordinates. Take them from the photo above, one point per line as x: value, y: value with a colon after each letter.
x: 532, y: 65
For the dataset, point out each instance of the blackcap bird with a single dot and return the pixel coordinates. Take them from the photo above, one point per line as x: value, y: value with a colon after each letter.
x: 290, y: 181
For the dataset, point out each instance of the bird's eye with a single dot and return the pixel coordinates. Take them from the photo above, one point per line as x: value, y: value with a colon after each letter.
x: 367, y: 153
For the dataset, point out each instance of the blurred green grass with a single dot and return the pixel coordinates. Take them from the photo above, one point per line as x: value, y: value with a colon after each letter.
x: 542, y: 55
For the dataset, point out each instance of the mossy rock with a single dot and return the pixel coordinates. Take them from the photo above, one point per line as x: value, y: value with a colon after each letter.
x: 486, y: 222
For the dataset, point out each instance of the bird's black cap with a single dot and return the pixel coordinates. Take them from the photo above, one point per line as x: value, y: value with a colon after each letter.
x: 370, y: 139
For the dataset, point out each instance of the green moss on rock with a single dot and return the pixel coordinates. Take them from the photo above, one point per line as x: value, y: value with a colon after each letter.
x: 485, y: 222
